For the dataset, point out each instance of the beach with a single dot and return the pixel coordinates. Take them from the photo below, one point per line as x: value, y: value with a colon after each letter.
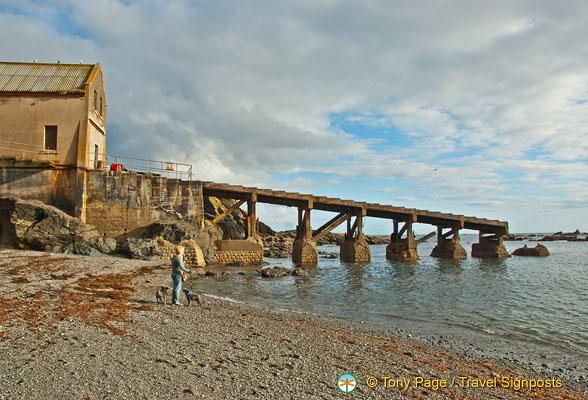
x: 75, y: 327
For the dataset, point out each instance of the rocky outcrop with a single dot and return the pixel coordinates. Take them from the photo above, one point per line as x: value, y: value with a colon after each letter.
x: 177, y: 232
x: 142, y: 249
x: 537, y: 251
x: 570, y: 237
x: 512, y: 237
x: 31, y: 224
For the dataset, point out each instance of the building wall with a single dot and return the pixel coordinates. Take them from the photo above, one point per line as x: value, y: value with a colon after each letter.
x: 96, y: 121
x: 80, y: 121
x: 24, y: 119
x: 57, y: 187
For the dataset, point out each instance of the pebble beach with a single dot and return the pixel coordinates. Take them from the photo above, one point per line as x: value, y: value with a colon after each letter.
x: 74, y: 327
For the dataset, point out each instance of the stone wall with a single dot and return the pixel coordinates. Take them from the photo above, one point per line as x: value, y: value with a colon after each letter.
x: 238, y: 251
x: 192, y: 253
x: 133, y: 201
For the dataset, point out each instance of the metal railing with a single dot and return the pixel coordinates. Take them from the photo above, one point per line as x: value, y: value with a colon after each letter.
x: 168, y: 169
x: 25, y: 150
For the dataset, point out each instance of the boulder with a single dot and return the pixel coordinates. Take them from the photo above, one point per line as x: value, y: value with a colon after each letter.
x: 142, y: 249
x: 301, y: 271
x: 31, y: 224
x: 274, y: 272
x: 537, y: 251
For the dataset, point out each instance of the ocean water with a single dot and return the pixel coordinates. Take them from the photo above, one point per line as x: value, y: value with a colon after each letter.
x: 541, y: 300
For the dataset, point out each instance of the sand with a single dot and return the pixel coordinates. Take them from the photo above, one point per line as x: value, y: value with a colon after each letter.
x: 76, y: 327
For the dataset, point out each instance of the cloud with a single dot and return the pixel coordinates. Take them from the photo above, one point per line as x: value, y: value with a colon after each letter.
x: 493, y: 96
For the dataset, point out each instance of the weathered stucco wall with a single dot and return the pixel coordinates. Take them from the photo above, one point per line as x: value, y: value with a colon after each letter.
x: 24, y: 119
x: 124, y: 204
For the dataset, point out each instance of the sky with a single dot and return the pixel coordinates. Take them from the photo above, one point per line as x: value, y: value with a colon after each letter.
x: 462, y: 106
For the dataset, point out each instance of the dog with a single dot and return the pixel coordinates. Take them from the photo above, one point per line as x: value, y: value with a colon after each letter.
x: 161, y: 295
x: 193, y: 297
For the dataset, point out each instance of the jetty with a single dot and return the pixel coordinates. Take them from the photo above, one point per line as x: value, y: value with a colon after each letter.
x: 403, y: 244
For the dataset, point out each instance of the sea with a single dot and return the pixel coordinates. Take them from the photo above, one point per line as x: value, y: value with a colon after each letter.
x: 537, y: 303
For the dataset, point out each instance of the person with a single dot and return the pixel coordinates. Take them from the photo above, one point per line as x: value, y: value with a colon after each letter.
x: 177, y: 269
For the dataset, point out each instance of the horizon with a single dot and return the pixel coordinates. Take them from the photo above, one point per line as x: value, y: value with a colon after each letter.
x: 460, y: 107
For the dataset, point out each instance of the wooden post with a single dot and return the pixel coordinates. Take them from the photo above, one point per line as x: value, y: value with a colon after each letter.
x: 251, y: 216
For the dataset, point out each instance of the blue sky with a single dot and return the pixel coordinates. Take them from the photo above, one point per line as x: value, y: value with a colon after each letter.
x: 470, y: 107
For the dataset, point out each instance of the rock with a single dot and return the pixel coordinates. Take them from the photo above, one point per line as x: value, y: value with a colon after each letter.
x: 216, y: 274
x: 141, y: 248
x: 325, y: 254
x: 280, y: 244
x: 570, y: 236
x: 236, y: 264
x: 537, y: 251
x: 177, y: 232
x: 274, y: 272
x: 301, y: 271
x: 31, y: 224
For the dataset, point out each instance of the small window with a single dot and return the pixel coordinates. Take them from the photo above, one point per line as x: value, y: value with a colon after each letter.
x: 100, y: 106
x: 95, y: 100
x: 51, y: 137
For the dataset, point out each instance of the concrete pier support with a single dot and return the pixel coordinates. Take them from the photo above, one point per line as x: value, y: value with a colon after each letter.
x: 402, y: 249
x: 355, y: 249
x: 304, y: 250
x: 490, y: 246
x: 252, y: 232
x: 449, y: 247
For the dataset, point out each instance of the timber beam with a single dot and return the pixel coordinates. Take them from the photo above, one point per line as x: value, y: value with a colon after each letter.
x: 228, y: 211
x: 329, y: 226
x: 425, y: 238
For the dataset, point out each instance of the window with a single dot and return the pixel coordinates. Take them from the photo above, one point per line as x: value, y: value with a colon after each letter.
x: 51, y: 137
x: 95, y: 100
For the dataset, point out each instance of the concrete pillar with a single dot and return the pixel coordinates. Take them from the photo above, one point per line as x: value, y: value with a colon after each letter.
x: 402, y: 249
x: 449, y: 247
x: 304, y: 251
x: 355, y: 249
x: 489, y: 247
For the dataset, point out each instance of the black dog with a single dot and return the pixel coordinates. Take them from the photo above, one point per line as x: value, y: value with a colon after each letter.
x: 190, y: 296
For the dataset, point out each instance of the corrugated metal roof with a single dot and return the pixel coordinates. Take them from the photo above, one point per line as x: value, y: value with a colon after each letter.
x: 43, y: 78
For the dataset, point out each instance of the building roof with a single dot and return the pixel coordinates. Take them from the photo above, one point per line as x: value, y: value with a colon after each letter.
x: 45, y: 78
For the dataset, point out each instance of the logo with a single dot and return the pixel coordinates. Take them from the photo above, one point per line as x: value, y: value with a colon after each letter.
x: 347, y: 383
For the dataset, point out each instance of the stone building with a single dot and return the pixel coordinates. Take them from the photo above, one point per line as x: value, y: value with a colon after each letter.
x: 53, y: 112
x: 52, y: 131
x: 52, y: 145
